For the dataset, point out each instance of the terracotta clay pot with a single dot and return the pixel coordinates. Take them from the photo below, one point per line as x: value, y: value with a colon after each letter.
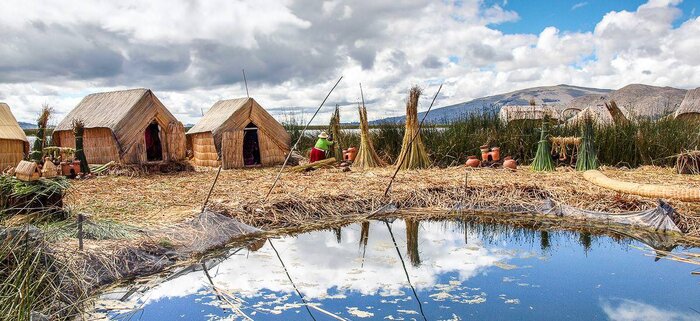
x: 473, y: 162
x: 352, y: 153
x: 510, y: 163
x: 495, y: 153
x: 65, y: 168
x: 345, y: 154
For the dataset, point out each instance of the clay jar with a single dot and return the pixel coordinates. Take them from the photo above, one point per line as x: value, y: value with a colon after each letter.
x: 510, y: 163
x: 472, y: 161
x: 495, y: 153
x: 352, y: 152
x: 484, y: 153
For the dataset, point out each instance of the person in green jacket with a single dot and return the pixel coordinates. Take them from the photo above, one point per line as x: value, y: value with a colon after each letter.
x: 322, y: 147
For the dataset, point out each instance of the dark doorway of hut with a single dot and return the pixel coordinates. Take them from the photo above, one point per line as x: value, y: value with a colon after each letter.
x: 251, y: 146
x: 154, y: 149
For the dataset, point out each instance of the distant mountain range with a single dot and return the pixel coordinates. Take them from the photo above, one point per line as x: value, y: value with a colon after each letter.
x: 25, y: 125
x: 634, y: 99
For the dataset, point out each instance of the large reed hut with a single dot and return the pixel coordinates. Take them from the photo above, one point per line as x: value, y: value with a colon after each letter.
x: 237, y: 133
x: 13, y: 142
x: 690, y: 107
x: 513, y: 113
x: 127, y: 126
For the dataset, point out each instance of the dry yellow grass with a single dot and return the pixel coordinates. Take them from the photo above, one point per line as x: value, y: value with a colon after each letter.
x: 164, y: 199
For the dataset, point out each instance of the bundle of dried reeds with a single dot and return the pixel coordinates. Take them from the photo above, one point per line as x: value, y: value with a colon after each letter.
x: 412, y: 148
x: 78, y: 129
x: 334, y: 128
x: 367, y: 156
x: 688, y: 162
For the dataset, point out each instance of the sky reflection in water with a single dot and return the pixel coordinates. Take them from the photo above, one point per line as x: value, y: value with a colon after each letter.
x: 460, y: 271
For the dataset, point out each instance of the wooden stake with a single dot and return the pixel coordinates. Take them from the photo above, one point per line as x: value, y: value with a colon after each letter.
x: 80, y: 231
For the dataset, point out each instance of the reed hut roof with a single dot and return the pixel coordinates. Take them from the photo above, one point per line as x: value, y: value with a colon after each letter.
x: 690, y: 104
x: 233, y: 114
x: 9, y: 128
x: 599, y: 114
x: 107, y: 110
x: 520, y: 112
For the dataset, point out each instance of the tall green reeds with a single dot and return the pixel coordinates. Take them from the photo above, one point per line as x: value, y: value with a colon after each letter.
x: 587, y: 155
x: 543, y: 157
x: 78, y: 129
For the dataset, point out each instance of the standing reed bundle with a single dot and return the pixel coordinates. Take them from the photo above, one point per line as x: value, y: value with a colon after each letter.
x: 78, y: 129
x: 587, y: 156
x: 412, y: 148
x: 367, y: 156
x: 40, y: 142
x: 543, y: 160
x: 334, y: 128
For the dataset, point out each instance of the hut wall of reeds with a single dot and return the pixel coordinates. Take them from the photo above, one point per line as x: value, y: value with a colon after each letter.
x: 517, y: 113
x: 690, y: 107
x: 127, y: 126
x: 13, y: 142
x: 239, y: 133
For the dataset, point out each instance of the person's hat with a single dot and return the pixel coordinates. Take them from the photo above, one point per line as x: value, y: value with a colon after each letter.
x: 323, y: 135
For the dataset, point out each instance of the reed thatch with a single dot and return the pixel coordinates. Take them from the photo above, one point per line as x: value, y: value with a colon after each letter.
x: 600, y: 115
x: 27, y: 171
x: 413, y: 152
x: 513, y: 113
x: 233, y: 116
x: 690, y: 107
x: 366, y: 156
x: 115, y: 127
x: 13, y: 142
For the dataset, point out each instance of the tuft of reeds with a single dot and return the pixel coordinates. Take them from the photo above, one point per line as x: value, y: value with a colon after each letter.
x: 543, y: 160
x: 587, y: 155
x: 78, y: 130
x: 412, y: 148
x: 34, y: 281
x: 688, y: 162
x: 40, y: 142
x: 366, y: 156
x: 44, y: 196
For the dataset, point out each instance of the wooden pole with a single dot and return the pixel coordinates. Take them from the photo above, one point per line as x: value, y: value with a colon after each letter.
x: 81, y: 218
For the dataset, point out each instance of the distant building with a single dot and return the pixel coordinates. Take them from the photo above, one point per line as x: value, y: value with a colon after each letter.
x: 513, y: 113
x: 690, y: 107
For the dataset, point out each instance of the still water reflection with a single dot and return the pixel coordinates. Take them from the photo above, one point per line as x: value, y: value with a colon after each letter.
x: 459, y: 270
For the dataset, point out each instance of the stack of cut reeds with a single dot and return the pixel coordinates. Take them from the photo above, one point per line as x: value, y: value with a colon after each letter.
x: 78, y: 129
x: 413, y: 153
x: 334, y: 128
x: 543, y: 159
x: 40, y: 142
x: 587, y: 156
x: 367, y: 156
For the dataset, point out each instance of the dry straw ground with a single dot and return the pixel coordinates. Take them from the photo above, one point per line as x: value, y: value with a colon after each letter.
x: 165, y: 199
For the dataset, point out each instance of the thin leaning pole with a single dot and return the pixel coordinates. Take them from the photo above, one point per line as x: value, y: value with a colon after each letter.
x: 294, y: 147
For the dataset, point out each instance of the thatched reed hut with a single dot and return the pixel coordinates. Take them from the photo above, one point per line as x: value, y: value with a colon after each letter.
x: 690, y: 107
x: 513, y: 113
x: 236, y: 133
x: 13, y: 142
x: 127, y: 126
x: 600, y: 115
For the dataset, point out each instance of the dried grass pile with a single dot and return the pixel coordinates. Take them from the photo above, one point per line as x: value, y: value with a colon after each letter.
x: 366, y: 156
x: 413, y: 150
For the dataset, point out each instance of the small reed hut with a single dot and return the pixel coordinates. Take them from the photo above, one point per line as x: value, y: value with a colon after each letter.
x: 690, y: 107
x: 127, y: 126
x: 238, y: 133
x: 518, y: 113
x: 13, y: 142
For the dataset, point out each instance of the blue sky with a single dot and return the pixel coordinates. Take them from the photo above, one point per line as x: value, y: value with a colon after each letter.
x: 572, y: 16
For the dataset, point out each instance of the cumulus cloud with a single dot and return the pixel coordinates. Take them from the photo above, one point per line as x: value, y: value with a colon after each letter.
x: 191, y: 53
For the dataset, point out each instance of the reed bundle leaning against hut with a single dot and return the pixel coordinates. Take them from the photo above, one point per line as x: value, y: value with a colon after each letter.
x: 367, y: 156
x: 40, y: 142
x: 412, y: 148
x: 78, y: 130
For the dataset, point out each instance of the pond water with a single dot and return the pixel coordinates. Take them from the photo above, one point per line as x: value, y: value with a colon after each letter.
x: 460, y: 271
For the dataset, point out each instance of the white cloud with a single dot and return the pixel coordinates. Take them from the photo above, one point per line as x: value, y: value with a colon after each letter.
x: 191, y: 53
x: 630, y: 310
